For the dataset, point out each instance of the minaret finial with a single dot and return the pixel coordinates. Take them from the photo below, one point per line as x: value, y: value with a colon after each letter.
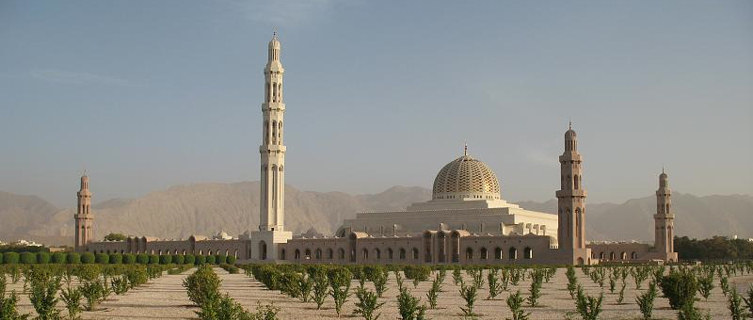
x: 570, y: 124
x: 465, y: 149
x: 274, y: 32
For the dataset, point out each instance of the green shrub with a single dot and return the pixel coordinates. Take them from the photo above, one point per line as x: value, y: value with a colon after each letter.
x: 735, y: 305
x: 588, y: 307
x: 201, y: 285
x: 408, y: 306
x: 177, y: 259
x: 73, y: 258
x: 321, y: 284
x: 43, y: 295
x: 116, y: 258
x: 43, y: 257
x: 1, y: 258
x: 646, y: 301
x: 59, y: 257
x: 137, y: 276
x: 93, y: 291
x: 515, y: 303
x: 9, y: 308
x: 165, y: 259
x: 210, y: 259
x: 119, y: 284
x: 142, y: 258
x: 433, y: 293
x: 201, y: 260
x: 339, y: 282
x: 153, y: 259
x: 28, y: 258
x: 367, y: 304
x: 129, y: 258
x: 72, y: 300
x: 220, y: 259
x: 417, y: 273
x: 231, y: 259
x: 189, y: 259
x: 88, y: 272
x: 11, y: 258
x: 87, y: 258
x: 469, y: 294
x: 749, y: 300
x: 102, y: 258
x: 680, y: 288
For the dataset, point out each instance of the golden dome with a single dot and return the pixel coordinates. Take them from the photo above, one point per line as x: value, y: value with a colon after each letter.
x: 466, y: 178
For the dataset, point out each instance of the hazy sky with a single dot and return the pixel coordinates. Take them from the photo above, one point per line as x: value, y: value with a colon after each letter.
x: 149, y: 94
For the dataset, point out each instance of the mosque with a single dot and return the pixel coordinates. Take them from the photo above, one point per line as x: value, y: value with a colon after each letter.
x: 466, y: 222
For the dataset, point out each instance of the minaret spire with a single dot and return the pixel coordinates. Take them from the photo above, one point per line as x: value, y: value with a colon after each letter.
x: 84, y: 219
x: 571, y: 202
x: 272, y: 149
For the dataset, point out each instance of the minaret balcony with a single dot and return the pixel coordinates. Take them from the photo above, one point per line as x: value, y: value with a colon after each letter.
x: 571, y: 193
x: 271, y: 148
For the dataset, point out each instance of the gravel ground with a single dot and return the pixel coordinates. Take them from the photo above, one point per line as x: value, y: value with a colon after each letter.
x: 165, y: 298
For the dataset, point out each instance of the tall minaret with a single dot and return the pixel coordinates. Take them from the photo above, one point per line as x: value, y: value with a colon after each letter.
x: 571, y: 231
x: 84, y: 217
x: 272, y: 149
x: 664, y: 218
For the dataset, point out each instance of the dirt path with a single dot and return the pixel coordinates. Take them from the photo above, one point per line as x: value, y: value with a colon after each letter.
x: 162, y: 298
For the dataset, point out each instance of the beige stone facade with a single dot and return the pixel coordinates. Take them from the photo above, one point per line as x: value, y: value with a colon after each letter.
x: 466, y: 222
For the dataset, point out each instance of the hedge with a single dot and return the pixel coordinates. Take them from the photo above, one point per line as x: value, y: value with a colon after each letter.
x: 201, y: 260
x: 189, y: 259
x: 142, y: 258
x: 58, y: 257
x: 231, y: 259
x: 1, y: 258
x: 116, y: 258
x: 28, y: 258
x: 73, y: 258
x: 87, y: 257
x: 102, y: 258
x: 43, y: 257
x: 129, y: 258
x: 153, y: 259
x: 210, y: 260
x: 11, y: 257
x: 179, y: 259
x: 165, y: 259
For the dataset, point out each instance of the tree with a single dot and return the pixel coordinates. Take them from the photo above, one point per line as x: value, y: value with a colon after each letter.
x: 115, y: 237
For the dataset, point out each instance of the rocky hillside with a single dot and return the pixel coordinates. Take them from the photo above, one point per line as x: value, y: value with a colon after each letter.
x: 233, y: 207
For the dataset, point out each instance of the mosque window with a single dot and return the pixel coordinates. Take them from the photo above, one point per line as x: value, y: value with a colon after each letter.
x: 469, y: 254
x: 513, y: 253
x: 330, y: 254
x: 498, y: 253
x: 415, y: 253
x: 402, y: 254
x: 484, y: 254
x: 527, y: 253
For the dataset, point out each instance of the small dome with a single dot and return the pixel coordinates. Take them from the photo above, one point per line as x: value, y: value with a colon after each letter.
x: 570, y: 134
x: 274, y: 43
x: 466, y: 178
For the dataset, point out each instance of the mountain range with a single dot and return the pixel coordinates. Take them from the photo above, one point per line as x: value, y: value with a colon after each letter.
x: 208, y: 208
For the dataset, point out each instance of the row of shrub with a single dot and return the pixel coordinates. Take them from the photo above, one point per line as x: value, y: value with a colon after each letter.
x: 104, y: 258
x: 47, y: 285
x: 203, y: 289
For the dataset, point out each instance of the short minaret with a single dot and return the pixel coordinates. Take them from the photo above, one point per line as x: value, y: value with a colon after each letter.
x: 272, y: 149
x: 84, y: 218
x: 264, y: 243
x: 664, y: 218
x: 571, y: 201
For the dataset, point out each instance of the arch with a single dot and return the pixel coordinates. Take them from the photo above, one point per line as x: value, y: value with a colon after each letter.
x: 634, y: 255
x: 513, y: 253
x: 527, y: 253
x: 415, y: 254
x: 263, y: 250
x: 469, y: 253
x: 330, y: 254
x: 274, y: 132
x: 282, y: 254
x: 297, y: 254
x: 389, y: 253
x: 601, y: 256
x: 341, y: 254
x: 567, y: 221
x: 318, y: 254
x: 498, y: 253
x: 377, y: 253
x: 402, y: 254
x: 667, y: 212
x: 579, y: 261
x: 483, y: 253
x: 235, y: 253
x: 623, y: 255
x: 209, y: 253
x: 365, y: 254
x: 576, y: 182
x: 307, y: 254
x: 612, y: 256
